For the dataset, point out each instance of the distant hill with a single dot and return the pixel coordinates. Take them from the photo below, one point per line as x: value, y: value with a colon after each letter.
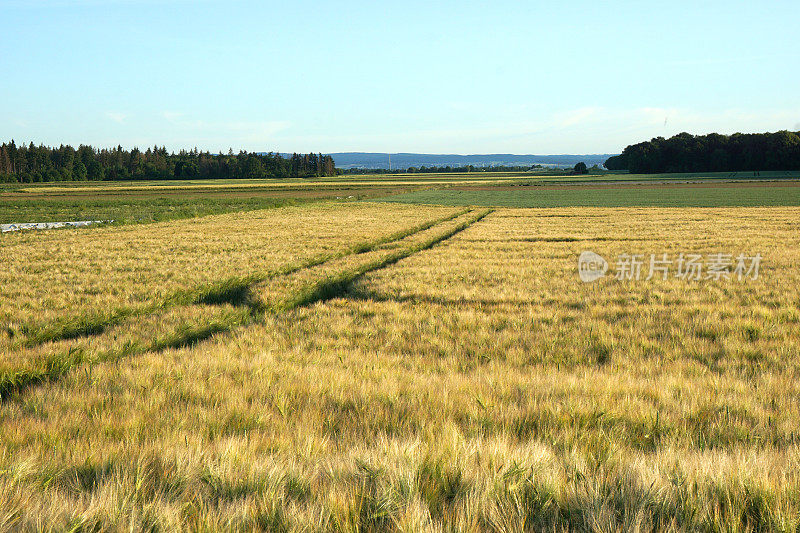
x: 347, y: 160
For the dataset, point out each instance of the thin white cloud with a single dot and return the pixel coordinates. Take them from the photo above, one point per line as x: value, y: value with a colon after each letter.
x: 577, y: 116
x: 581, y: 130
x: 116, y: 116
x: 185, y: 130
x: 172, y: 116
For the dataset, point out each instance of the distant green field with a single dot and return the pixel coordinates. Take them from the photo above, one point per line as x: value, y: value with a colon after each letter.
x: 142, y: 202
x: 633, y: 196
x: 128, y: 211
x: 543, y: 176
x: 150, y: 201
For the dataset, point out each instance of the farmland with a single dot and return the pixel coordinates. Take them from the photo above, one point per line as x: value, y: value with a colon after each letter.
x: 611, y: 195
x: 127, y: 202
x: 155, y: 201
x: 429, y: 361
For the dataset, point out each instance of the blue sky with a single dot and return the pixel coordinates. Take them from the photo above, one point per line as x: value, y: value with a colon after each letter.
x: 413, y: 76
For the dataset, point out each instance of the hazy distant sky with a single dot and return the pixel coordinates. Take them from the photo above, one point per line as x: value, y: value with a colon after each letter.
x: 414, y: 76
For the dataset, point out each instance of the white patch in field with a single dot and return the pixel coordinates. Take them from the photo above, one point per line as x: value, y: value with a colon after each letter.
x: 591, y: 266
x: 5, y: 228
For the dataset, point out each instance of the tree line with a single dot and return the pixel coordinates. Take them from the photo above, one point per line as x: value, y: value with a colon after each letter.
x: 29, y: 163
x: 684, y: 152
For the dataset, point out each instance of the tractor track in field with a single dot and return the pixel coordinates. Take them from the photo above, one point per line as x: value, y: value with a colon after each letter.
x: 240, y: 294
x: 209, y: 293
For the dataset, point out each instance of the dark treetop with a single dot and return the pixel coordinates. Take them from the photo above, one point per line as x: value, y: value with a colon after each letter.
x: 711, y: 153
x: 31, y: 163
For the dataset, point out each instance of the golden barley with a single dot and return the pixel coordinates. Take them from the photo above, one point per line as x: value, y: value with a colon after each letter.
x: 470, y: 383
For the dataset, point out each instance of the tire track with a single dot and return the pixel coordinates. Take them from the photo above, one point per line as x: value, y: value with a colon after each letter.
x: 241, y: 307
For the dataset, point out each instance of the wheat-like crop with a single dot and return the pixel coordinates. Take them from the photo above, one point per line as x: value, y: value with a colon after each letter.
x: 72, y: 278
x: 459, y: 377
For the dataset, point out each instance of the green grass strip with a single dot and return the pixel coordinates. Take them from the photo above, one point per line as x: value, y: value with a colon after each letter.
x: 55, y: 366
x: 336, y: 285
x: 233, y: 290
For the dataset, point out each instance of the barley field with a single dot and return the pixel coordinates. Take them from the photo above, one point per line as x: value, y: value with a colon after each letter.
x: 735, y: 193
x: 392, y: 367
